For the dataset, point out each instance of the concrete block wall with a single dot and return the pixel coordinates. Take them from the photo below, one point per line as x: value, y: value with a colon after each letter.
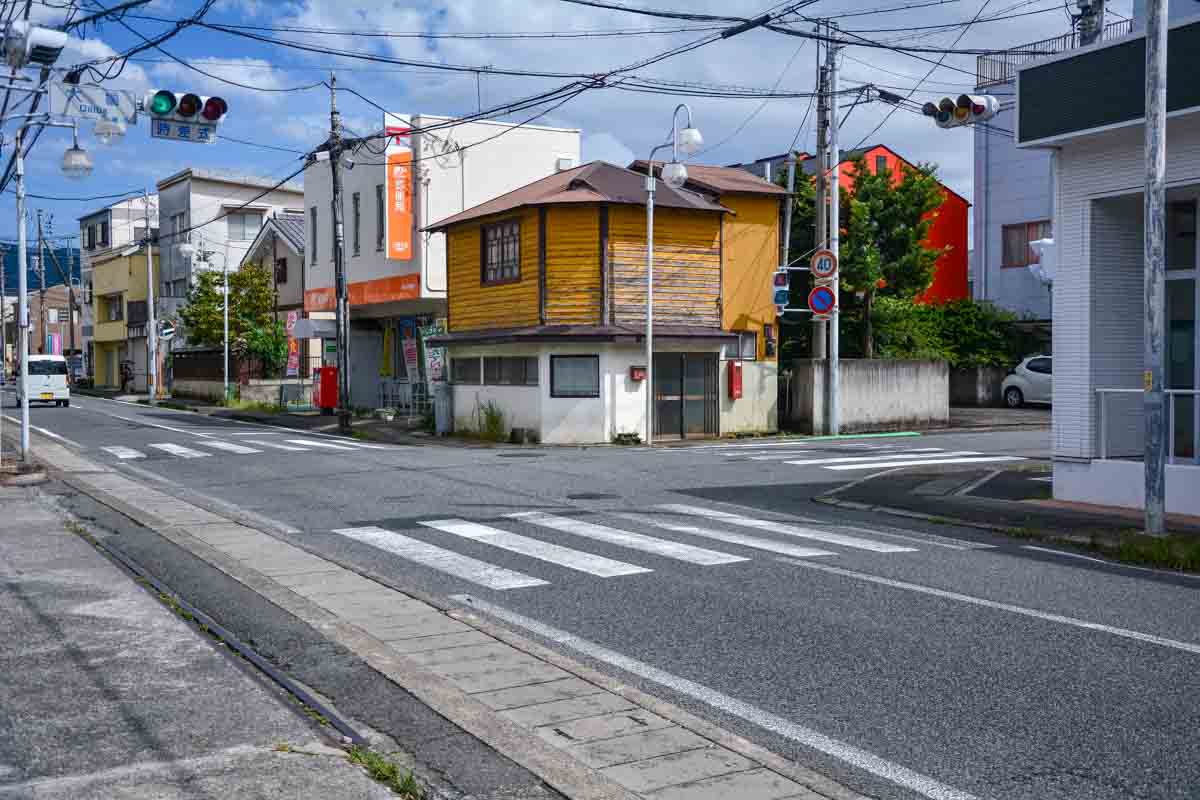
x: 876, y: 394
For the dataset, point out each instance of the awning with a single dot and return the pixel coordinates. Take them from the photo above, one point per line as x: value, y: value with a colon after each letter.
x: 314, y: 329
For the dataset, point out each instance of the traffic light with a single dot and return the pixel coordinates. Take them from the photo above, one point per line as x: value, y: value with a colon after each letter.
x: 782, y: 290
x: 186, y: 107
x: 967, y: 109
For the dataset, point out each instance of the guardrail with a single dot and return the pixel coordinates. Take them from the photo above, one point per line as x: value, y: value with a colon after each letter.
x: 1129, y: 437
x: 998, y: 68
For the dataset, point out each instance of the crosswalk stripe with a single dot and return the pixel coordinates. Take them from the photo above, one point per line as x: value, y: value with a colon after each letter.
x: 228, y: 447
x: 276, y: 445
x: 180, y: 450
x: 460, y: 566
x: 318, y: 443
x: 535, y: 548
x: 890, y: 464
x: 634, y: 541
x: 754, y: 542
x: 877, y: 451
x: 123, y: 453
x: 882, y: 458
x: 786, y: 529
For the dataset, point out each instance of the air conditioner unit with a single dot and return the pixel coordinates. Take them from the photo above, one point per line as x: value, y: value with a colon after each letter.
x: 565, y: 163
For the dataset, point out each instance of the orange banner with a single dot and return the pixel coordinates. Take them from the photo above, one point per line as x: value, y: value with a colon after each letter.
x: 380, y: 290
x: 400, y: 208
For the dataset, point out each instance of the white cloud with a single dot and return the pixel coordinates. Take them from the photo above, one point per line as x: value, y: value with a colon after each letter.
x: 606, y: 147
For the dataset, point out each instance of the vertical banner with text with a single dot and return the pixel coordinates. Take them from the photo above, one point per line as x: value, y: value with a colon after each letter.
x: 399, y: 189
x: 293, y: 345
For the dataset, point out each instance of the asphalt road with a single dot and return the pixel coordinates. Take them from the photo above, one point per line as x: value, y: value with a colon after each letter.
x: 904, y: 659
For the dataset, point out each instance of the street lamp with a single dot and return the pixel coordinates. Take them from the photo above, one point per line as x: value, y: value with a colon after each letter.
x: 674, y: 174
x: 76, y: 162
x: 108, y: 129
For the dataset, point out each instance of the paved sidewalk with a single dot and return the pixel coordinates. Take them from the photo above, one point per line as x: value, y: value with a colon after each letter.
x: 584, y: 734
x: 109, y: 695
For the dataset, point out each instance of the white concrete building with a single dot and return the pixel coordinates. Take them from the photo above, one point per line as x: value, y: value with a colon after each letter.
x: 226, y: 212
x: 397, y: 273
x: 112, y: 228
x: 1097, y: 141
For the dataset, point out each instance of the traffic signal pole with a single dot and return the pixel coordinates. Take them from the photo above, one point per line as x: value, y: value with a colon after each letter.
x: 819, y: 328
x: 22, y: 297
x: 342, y: 308
x: 151, y: 317
x: 834, y: 231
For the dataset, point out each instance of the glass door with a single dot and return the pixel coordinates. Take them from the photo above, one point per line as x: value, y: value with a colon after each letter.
x: 1182, y: 366
x: 668, y: 395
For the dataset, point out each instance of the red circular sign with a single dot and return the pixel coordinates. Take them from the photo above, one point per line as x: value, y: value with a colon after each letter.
x: 821, y: 300
x: 823, y: 264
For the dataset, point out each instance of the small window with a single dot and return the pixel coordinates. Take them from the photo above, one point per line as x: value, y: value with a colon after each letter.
x: 748, y: 345
x: 1015, y: 240
x: 379, y: 220
x: 464, y: 371
x: 243, y: 225
x: 281, y: 275
x: 104, y: 234
x: 501, y: 256
x: 91, y: 237
x: 574, y: 376
x: 881, y: 164
x: 510, y: 371
x: 40, y: 367
x: 1042, y: 366
x: 357, y: 203
x: 312, y: 235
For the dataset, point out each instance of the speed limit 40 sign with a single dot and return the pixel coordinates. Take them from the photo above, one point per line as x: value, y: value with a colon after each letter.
x: 823, y: 264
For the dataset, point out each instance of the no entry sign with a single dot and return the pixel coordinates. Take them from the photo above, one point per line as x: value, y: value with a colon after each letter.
x: 821, y: 300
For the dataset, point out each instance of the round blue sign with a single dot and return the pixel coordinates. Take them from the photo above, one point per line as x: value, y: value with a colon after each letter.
x: 821, y: 300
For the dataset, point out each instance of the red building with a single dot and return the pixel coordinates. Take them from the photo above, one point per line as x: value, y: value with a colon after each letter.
x: 949, y: 224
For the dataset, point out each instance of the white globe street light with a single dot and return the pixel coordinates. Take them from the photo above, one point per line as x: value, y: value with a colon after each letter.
x: 76, y: 163
x: 108, y: 129
x: 674, y: 174
x: 690, y: 141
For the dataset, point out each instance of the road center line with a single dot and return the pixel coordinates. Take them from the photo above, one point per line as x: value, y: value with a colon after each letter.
x: 1187, y: 647
x: 862, y: 759
x: 45, y: 432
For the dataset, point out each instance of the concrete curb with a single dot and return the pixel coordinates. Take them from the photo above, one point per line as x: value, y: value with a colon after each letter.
x: 524, y: 746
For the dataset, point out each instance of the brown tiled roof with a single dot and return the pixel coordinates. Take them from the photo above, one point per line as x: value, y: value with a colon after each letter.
x: 719, y: 180
x: 596, y: 182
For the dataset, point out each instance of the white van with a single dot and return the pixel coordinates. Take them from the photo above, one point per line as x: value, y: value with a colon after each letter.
x: 47, y: 381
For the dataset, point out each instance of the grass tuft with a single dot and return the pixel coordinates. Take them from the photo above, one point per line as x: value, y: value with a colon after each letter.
x: 402, y: 782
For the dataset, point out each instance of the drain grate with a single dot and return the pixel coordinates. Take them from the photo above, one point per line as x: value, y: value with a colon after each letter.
x: 520, y: 455
x: 591, y: 496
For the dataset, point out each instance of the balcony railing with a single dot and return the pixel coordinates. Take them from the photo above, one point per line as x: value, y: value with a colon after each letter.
x: 1121, y: 431
x: 1001, y: 68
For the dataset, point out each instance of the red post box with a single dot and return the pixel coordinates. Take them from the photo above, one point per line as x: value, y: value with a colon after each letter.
x: 735, y: 380
x: 326, y: 389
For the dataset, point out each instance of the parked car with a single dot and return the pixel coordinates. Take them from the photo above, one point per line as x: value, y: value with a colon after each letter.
x: 47, y: 382
x: 1031, y: 381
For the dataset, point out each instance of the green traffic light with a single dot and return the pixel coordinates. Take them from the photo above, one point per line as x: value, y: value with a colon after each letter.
x: 163, y: 102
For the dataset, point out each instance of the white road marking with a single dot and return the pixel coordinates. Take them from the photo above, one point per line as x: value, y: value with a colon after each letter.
x: 786, y: 529
x: 634, y: 541
x: 228, y: 447
x: 180, y: 450
x: 880, y: 459
x: 890, y: 464
x: 535, y: 548
x: 276, y: 445
x: 123, y: 453
x: 315, y: 443
x: 855, y: 756
x: 1082, y: 557
x: 786, y: 443
x: 1044, y: 480
x: 1187, y: 647
x: 857, y: 448
x: 783, y: 548
x: 189, y: 431
x: 45, y: 432
x: 460, y: 566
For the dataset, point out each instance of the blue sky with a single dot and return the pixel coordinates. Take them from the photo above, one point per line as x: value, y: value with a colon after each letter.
x: 616, y: 125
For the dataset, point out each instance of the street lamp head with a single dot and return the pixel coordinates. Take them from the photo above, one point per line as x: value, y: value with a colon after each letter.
x: 108, y: 129
x: 674, y: 174
x: 186, y: 249
x: 690, y: 141
x: 76, y: 163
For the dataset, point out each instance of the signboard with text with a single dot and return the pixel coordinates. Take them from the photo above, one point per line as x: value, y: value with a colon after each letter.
x: 199, y: 132
x: 399, y: 188
x: 81, y: 101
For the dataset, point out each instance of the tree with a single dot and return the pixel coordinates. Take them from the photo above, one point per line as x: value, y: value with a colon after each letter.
x: 253, y: 329
x: 885, y: 222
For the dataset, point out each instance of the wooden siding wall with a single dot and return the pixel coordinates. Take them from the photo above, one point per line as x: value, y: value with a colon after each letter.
x: 473, y: 306
x: 751, y: 258
x: 573, y: 292
x: 687, y: 266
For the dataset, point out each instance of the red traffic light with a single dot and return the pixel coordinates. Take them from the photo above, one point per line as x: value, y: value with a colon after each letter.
x: 214, y: 109
x: 781, y: 278
x: 189, y: 104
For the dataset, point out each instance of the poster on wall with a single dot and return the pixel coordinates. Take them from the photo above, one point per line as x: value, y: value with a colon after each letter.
x: 412, y: 364
x: 293, y: 357
x: 435, y: 357
x: 399, y: 187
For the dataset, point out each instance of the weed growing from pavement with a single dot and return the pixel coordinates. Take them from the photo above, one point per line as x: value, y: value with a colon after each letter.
x: 402, y: 782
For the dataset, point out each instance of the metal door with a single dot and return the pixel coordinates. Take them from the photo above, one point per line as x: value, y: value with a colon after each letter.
x: 685, y: 390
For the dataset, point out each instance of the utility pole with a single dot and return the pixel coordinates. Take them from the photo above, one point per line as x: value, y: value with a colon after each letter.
x: 3, y: 314
x: 151, y: 317
x: 66, y: 279
x: 1154, y: 277
x: 1091, y: 21
x: 41, y: 270
x: 22, y: 297
x: 342, y: 308
x: 834, y: 231
x: 819, y: 328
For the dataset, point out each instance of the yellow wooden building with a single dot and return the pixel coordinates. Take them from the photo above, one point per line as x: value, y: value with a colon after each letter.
x: 119, y: 297
x: 547, y: 305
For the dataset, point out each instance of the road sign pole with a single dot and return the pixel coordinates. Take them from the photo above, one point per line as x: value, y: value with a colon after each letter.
x: 834, y: 231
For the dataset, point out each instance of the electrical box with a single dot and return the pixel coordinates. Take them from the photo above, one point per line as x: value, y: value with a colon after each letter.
x: 735, y: 379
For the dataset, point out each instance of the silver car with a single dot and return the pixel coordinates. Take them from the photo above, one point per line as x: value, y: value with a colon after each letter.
x: 1031, y: 381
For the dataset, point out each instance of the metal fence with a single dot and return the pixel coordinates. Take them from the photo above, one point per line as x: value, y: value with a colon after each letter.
x: 999, y: 68
x: 411, y: 400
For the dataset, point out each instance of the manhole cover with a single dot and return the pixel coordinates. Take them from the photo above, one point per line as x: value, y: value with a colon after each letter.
x: 521, y: 455
x: 591, y: 496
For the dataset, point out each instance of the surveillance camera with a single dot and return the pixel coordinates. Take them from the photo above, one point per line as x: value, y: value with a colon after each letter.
x: 348, y: 162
